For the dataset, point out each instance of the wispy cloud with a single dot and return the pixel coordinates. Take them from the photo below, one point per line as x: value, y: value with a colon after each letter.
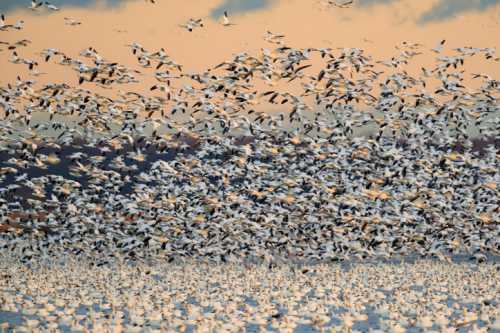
x: 442, y: 10
x: 238, y: 6
x: 374, y: 2
x: 232, y: 6
x: 6, y: 5
x: 446, y: 9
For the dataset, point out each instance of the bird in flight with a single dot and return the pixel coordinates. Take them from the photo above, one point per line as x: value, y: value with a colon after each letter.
x: 439, y: 47
x: 51, y: 6
x: 225, y: 20
x: 35, y: 4
x: 192, y: 23
x: 71, y: 21
x: 344, y: 4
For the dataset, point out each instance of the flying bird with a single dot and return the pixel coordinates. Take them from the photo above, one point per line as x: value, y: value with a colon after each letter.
x: 51, y: 6
x: 192, y: 23
x: 2, y: 22
x: 345, y: 4
x: 35, y: 4
x: 439, y: 47
x: 72, y: 22
x: 225, y: 20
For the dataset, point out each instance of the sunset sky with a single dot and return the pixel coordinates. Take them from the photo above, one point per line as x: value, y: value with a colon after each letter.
x: 376, y: 26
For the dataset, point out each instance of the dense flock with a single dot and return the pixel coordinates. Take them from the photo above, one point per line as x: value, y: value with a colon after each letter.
x: 297, y: 153
x: 79, y: 296
x: 289, y: 189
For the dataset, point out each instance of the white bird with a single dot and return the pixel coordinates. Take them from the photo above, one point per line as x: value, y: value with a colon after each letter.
x: 35, y: 4
x: 4, y: 26
x: 187, y: 26
x: 71, y: 21
x: 225, y: 20
x: 274, y: 38
x: 345, y: 4
x: 2, y: 22
x: 439, y: 47
x: 192, y: 23
x: 47, y: 53
x: 51, y: 6
x: 19, y: 25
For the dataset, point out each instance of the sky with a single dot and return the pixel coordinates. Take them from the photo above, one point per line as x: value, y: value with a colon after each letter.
x: 376, y: 26
x: 442, y: 10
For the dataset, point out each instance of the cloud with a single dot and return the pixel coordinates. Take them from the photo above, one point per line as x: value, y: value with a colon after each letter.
x: 446, y: 9
x: 6, y: 5
x: 374, y: 2
x: 232, y: 6
x: 237, y: 6
x: 443, y: 9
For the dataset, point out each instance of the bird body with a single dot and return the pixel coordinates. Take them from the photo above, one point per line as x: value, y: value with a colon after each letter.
x: 225, y: 20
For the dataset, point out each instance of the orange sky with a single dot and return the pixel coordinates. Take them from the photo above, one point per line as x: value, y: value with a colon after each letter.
x: 305, y: 23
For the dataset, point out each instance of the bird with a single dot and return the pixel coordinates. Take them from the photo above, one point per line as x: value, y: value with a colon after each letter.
x: 35, y: 4
x: 195, y: 165
x: 344, y: 4
x: 50, y: 6
x: 225, y: 20
x: 3, y: 25
x: 48, y: 53
x: 72, y: 22
x: 192, y: 23
x: 274, y: 38
x: 439, y: 47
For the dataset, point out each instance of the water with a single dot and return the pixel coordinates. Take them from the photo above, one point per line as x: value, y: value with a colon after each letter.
x: 281, y: 296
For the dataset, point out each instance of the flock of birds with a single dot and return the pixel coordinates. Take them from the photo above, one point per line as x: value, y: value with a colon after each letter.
x: 307, y: 154
x: 426, y: 296
x: 115, y: 204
